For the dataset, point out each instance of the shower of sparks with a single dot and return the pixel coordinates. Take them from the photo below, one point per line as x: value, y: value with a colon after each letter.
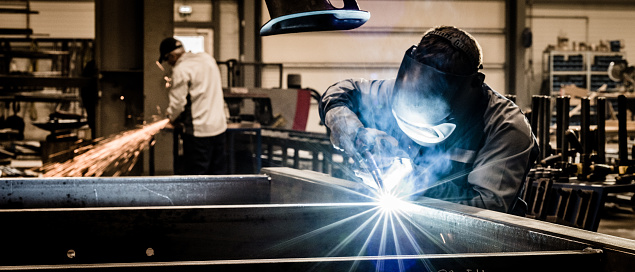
x: 113, y: 156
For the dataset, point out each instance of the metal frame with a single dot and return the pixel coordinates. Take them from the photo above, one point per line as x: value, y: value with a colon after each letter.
x: 310, y: 216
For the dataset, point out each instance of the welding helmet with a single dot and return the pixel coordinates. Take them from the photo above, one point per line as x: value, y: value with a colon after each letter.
x: 427, y: 102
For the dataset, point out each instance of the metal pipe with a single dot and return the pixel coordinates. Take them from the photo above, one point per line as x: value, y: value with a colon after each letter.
x: 622, y: 131
x: 151, y: 159
x: 562, y: 125
x: 585, y: 120
x: 133, y: 191
x: 545, y: 123
x: 600, y: 131
x: 535, y: 108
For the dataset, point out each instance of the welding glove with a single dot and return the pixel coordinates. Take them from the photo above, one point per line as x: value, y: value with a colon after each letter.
x: 349, y: 135
x: 383, y: 147
x: 344, y: 125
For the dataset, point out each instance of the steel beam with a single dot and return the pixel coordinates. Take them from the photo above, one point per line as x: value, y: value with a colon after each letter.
x: 313, y: 221
x: 248, y: 233
x: 523, y: 261
x: 133, y: 191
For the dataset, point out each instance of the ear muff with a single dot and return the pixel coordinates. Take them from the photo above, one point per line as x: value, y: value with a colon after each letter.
x: 478, y: 80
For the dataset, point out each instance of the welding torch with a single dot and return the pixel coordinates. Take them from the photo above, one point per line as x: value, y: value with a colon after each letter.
x: 374, y: 170
x: 372, y: 166
x: 365, y: 141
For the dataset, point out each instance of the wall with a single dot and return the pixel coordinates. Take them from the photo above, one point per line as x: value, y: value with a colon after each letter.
x: 375, y: 50
x: 59, y: 19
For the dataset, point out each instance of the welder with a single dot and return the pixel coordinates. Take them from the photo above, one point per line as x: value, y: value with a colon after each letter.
x: 466, y: 142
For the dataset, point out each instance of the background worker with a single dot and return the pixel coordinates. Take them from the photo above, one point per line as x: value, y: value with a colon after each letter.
x: 466, y: 142
x: 196, y: 106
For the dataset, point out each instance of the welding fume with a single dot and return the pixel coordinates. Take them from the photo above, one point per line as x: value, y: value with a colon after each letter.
x: 436, y: 130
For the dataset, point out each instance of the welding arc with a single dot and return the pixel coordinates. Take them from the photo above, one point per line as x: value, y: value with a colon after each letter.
x: 113, y: 156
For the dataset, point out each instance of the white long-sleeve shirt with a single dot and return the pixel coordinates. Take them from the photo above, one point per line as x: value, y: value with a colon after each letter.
x: 196, y: 96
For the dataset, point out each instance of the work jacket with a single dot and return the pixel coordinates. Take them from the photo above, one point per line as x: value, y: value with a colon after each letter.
x: 196, y: 96
x: 483, y: 163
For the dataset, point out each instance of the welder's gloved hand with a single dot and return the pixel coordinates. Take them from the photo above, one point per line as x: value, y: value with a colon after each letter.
x: 383, y: 147
x: 344, y: 125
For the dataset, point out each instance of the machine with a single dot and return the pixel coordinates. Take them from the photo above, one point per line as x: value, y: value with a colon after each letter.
x: 620, y: 72
x: 280, y: 220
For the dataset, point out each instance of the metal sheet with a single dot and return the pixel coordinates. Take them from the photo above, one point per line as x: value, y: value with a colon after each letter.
x: 524, y: 261
x: 345, y: 224
x: 248, y: 232
x: 290, y: 185
x: 133, y: 191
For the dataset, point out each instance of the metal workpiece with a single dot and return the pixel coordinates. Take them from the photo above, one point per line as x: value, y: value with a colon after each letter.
x: 133, y: 191
x: 545, y: 123
x: 290, y: 186
x: 540, y: 122
x: 313, y: 222
x: 263, y: 234
x: 548, y: 261
x: 622, y: 131
x: 562, y: 125
x: 600, y: 132
x: 585, y: 138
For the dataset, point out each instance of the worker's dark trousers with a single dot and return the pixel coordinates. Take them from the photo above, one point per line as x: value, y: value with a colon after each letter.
x: 204, y: 155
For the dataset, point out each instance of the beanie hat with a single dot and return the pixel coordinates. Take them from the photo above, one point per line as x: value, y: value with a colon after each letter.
x: 168, y: 45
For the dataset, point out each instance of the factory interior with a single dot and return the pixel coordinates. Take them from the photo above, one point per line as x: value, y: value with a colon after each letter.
x: 91, y: 171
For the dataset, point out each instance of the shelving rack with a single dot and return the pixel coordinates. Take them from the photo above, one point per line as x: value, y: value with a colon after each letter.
x: 41, y: 69
x: 585, y: 69
x: 26, y: 10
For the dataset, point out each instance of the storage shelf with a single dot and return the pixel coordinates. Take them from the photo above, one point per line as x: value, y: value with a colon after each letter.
x: 569, y: 73
x: 592, y: 75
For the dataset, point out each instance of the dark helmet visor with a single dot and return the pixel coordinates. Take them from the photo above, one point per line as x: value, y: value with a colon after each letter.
x: 425, y: 96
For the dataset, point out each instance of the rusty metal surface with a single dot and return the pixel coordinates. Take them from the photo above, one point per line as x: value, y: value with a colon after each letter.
x: 133, y: 191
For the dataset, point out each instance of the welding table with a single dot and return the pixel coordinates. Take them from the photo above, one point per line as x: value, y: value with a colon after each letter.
x: 281, y: 220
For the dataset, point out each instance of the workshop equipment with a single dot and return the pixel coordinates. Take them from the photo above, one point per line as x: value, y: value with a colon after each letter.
x: 620, y: 71
x: 314, y: 222
x: 571, y: 185
x: 61, y: 126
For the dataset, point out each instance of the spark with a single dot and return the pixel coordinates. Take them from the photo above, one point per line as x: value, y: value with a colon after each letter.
x: 115, y: 155
x: 386, y: 228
